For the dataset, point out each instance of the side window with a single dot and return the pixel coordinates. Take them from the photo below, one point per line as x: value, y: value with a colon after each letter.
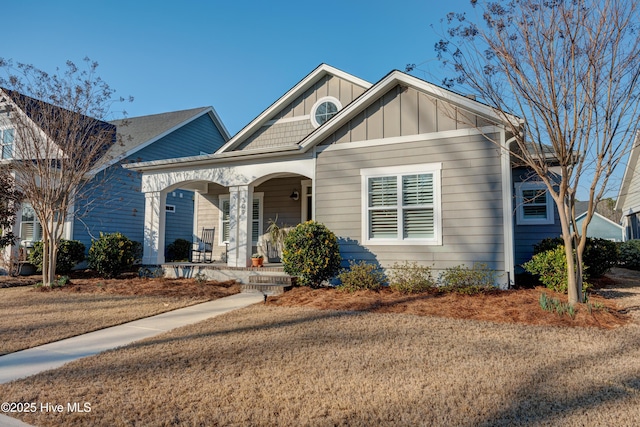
x: 533, y: 204
x: 7, y: 137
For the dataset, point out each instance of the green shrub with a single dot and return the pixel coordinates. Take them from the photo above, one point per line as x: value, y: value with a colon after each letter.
x: 178, y: 250
x: 70, y: 253
x: 467, y: 280
x: 410, y: 277
x: 630, y: 254
x: 599, y: 255
x: 112, y: 254
x: 360, y: 276
x: 551, y: 269
x: 311, y: 253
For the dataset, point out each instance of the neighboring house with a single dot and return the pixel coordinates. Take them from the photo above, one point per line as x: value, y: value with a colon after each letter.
x: 628, y: 200
x: 600, y: 226
x: 112, y: 200
x: 400, y: 170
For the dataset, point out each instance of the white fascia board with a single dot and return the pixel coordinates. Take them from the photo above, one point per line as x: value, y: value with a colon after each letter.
x: 152, y: 140
x: 628, y: 173
x: 293, y: 93
x: 213, y: 159
x: 391, y: 80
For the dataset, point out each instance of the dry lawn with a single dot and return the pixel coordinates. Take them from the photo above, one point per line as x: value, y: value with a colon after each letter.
x: 273, y: 364
x: 34, y: 316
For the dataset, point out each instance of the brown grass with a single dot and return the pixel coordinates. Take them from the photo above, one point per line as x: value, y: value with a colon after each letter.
x: 35, y: 316
x: 284, y: 365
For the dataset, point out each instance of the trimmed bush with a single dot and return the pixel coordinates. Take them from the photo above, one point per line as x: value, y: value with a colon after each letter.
x: 311, y: 253
x: 410, y: 277
x: 630, y: 254
x: 112, y: 254
x: 599, y: 255
x: 551, y: 269
x: 467, y: 280
x: 70, y: 253
x: 360, y: 276
x: 178, y: 250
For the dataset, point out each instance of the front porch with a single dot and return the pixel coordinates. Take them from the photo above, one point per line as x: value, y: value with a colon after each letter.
x: 269, y: 279
x: 237, y: 204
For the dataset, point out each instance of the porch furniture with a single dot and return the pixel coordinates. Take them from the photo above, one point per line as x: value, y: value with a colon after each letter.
x: 203, y: 246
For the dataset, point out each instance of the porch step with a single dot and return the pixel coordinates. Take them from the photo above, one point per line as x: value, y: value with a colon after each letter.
x: 268, y: 284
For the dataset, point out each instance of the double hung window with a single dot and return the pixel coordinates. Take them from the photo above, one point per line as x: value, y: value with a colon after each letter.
x: 7, y: 137
x: 533, y: 204
x: 402, y: 205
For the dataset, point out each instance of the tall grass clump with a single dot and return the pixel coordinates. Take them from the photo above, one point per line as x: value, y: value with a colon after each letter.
x: 410, y: 277
x: 360, y: 276
x: 465, y: 280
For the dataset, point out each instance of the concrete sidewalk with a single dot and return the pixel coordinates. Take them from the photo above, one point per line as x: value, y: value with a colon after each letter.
x: 53, y: 355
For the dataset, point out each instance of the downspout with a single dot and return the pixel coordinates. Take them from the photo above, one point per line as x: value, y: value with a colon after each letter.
x: 507, y: 215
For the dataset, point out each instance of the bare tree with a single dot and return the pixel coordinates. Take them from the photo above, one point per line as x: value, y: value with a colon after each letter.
x: 10, y: 199
x: 571, y: 70
x: 60, y: 136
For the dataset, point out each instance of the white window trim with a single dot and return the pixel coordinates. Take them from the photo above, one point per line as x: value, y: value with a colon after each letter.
x: 3, y: 145
x: 223, y: 197
x: 170, y: 208
x: 520, y: 218
x: 432, y: 168
x: 332, y: 99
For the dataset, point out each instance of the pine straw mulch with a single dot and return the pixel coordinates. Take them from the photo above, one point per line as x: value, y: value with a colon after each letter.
x: 513, y: 306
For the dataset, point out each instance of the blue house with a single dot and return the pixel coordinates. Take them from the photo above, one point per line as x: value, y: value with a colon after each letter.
x: 113, y: 202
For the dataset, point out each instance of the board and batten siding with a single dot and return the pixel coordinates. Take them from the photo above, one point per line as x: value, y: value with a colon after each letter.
x: 284, y: 129
x: 404, y: 111
x: 471, y: 194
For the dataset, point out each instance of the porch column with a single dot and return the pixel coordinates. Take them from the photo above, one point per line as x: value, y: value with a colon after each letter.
x: 154, y: 214
x: 240, y: 214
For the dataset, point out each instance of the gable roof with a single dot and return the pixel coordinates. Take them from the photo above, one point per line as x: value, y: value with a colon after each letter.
x: 41, y: 113
x: 388, y: 82
x: 137, y: 133
x: 302, y: 86
x: 373, y: 93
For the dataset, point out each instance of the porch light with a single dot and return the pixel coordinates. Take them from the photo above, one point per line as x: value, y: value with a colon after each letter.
x: 294, y: 195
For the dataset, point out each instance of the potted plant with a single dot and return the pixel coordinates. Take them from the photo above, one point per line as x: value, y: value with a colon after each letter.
x: 256, y: 260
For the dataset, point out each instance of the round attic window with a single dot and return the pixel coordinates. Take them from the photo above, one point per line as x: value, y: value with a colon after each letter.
x: 324, y: 109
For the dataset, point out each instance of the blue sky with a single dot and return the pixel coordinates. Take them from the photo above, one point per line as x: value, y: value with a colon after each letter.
x: 237, y: 56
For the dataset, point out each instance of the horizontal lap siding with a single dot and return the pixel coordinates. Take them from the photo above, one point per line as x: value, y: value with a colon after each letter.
x: 472, y: 215
x: 113, y: 203
x: 201, y: 135
x: 278, y: 203
x: 526, y: 236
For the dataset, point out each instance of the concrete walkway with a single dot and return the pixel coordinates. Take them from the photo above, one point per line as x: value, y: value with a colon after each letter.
x: 53, y: 355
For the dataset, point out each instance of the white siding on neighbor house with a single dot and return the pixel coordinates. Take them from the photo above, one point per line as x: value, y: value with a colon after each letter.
x: 292, y: 124
x: 632, y: 198
x: 471, y: 194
